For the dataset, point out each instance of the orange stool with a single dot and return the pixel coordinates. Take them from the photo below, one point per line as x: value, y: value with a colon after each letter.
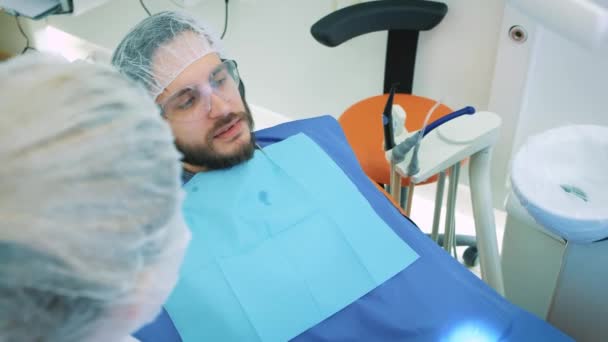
x: 362, y: 124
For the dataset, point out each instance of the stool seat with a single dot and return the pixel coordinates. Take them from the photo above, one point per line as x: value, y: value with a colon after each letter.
x: 362, y: 124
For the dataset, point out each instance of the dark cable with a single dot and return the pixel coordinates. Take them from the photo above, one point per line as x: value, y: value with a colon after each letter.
x: 145, y: 8
x: 225, y: 20
x: 27, y: 39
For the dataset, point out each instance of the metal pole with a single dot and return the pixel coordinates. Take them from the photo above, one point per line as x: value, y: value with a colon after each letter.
x: 451, y: 207
x: 403, y: 198
x: 410, y: 198
x: 438, y: 205
x: 395, y: 184
x: 485, y: 226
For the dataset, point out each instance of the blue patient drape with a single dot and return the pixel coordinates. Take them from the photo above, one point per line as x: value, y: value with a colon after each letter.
x: 434, y: 299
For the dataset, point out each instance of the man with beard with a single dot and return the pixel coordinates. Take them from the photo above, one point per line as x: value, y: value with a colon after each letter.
x: 201, y: 96
x: 198, y: 91
x: 290, y: 241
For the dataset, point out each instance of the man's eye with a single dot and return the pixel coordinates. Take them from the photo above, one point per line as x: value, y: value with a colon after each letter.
x: 218, y: 82
x: 187, y: 104
x: 219, y: 78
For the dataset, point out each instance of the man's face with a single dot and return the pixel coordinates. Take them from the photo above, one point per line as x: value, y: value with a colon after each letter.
x: 211, y: 123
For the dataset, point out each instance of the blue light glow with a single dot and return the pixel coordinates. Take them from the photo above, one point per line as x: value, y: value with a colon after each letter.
x: 472, y: 332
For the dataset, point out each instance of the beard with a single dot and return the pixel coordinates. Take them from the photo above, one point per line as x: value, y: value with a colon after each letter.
x: 208, y: 157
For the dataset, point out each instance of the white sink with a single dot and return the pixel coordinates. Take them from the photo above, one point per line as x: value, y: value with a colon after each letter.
x: 560, y: 177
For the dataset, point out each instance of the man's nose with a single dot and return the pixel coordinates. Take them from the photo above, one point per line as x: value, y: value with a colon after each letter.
x: 219, y: 106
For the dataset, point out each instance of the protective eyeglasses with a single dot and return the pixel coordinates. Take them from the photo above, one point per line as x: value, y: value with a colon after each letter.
x: 193, y: 102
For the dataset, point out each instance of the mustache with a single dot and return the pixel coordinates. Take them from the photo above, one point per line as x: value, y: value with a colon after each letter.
x: 230, y: 117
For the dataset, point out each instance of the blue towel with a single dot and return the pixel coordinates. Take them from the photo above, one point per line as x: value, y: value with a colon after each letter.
x: 280, y: 243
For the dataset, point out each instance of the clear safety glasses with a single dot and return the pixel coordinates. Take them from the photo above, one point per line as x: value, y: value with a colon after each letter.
x: 194, y: 102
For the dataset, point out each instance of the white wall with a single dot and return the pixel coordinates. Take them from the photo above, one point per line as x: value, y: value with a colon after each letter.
x: 566, y: 86
x: 508, y: 94
x: 286, y: 70
x: 456, y: 60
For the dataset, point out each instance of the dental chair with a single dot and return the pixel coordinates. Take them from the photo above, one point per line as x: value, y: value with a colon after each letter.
x: 362, y: 123
x: 433, y: 299
x: 416, y: 304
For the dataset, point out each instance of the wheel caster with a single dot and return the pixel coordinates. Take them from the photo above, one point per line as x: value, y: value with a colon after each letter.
x: 470, y: 256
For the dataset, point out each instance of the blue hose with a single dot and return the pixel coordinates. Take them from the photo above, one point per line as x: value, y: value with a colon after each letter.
x: 468, y: 110
x: 403, y: 148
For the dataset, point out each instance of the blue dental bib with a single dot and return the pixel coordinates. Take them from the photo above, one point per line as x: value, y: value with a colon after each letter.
x: 280, y: 243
